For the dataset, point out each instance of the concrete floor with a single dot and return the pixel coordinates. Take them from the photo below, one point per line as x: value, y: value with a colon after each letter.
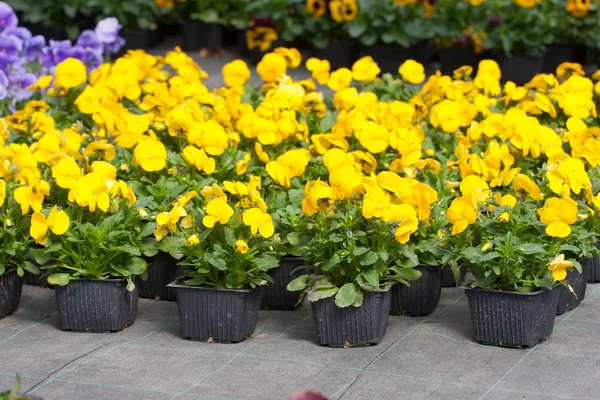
x: 431, y: 357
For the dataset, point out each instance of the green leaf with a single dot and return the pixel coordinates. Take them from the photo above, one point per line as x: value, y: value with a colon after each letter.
x: 61, y: 279
x: 293, y: 238
x: 489, y: 256
x: 300, y: 283
x: 372, y: 277
x: 148, y: 229
x: 129, y: 249
x: 531, y: 248
x: 358, y: 251
x: 333, y: 261
x: 408, y: 274
x: 229, y: 236
x: 137, y: 266
x: 369, y: 259
x: 318, y: 294
x: 356, y: 28
x: 266, y: 263
x: 218, y: 263
x: 347, y: 295
x: 29, y: 267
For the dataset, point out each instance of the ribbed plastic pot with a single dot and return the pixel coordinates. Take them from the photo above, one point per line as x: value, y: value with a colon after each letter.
x: 163, y: 270
x: 448, y: 279
x: 557, y: 54
x: 199, y: 35
x: 96, y: 306
x: 454, y: 58
x: 36, y: 280
x: 512, y: 319
x: 578, y: 281
x: 352, y: 326
x: 520, y: 68
x: 11, y: 286
x: 217, y: 315
x: 593, y: 268
x: 423, y: 295
x: 339, y: 54
x: 275, y: 295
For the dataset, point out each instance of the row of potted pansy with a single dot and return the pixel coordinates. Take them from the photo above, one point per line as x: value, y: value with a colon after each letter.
x: 136, y: 178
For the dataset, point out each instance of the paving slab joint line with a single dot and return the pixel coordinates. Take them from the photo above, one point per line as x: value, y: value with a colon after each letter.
x: 62, y: 370
x: 235, y: 356
x: 390, y: 347
x: 14, y: 335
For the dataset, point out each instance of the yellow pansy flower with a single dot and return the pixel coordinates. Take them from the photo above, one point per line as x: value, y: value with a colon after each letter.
x: 558, y: 214
x: 558, y: 267
x: 217, y: 210
x: 259, y: 221
x: 66, y: 172
x: 57, y: 222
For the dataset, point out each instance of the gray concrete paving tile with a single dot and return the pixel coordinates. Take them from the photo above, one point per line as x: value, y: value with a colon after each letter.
x: 9, y: 380
x: 68, y: 390
x: 271, y: 380
x: 152, y: 368
x: 440, y: 358
x: 302, y: 347
x: 395, y: 386
x: 575, y: 338
x: 40, y: 360
x: 556, y: 374
x: 590, y: 309
x: 503, y: 394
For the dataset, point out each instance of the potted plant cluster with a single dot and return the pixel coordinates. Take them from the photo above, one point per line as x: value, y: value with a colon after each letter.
x: 228, y: 255
x: 352, y: 249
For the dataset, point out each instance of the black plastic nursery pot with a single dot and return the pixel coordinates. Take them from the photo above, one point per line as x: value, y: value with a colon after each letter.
x: 512, y: 319
x: 352, y: 326
x: 11, y: 286
x: 592, y: 265
x: 454, y: 58
x: 423, y: 295
x: 36, y: 280
x: 199, y: 35
x: 96, y: 306
x: 389, y: 57
x: 519, y: 69
x: 217, y: 315
x: 339, y: 54
x: 275, y: 295
x: 162, y: 270
x: 557, y: 54
x: 578, y: 281
x: 448, y: 278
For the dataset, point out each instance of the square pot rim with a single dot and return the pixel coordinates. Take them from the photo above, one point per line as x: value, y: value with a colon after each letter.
x: 176, y: 285
x: 537, y: 292
x: 377, y: 291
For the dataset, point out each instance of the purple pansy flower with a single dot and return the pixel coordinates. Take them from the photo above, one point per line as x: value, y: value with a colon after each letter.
x: 10, y: 47
x: 76, y: 52
x: 92, y: 59
x: 89, y: 41
x: 113, y: 48
x: 33, y: 48
x: 20, y: 83
x: 8, y: 17
x: 108, y: 30
x: 60, y: 50
x: 22, y: 33
x: 3, y: 85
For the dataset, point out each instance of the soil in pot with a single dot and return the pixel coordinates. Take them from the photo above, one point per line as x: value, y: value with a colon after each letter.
x: 452, y: 59
x: 423, y: 295
x: 199, y: 35
x: 217, y: 315
x: 96, y: 306
x: 448, y: 278
x: 519, y: 69
x: 512, y: 319
x: 11, y: 286
x: 352, y: 326
x: 162, y: 270
x: 275, y: 295
x: 578, y: 281
x: 557, y: 54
